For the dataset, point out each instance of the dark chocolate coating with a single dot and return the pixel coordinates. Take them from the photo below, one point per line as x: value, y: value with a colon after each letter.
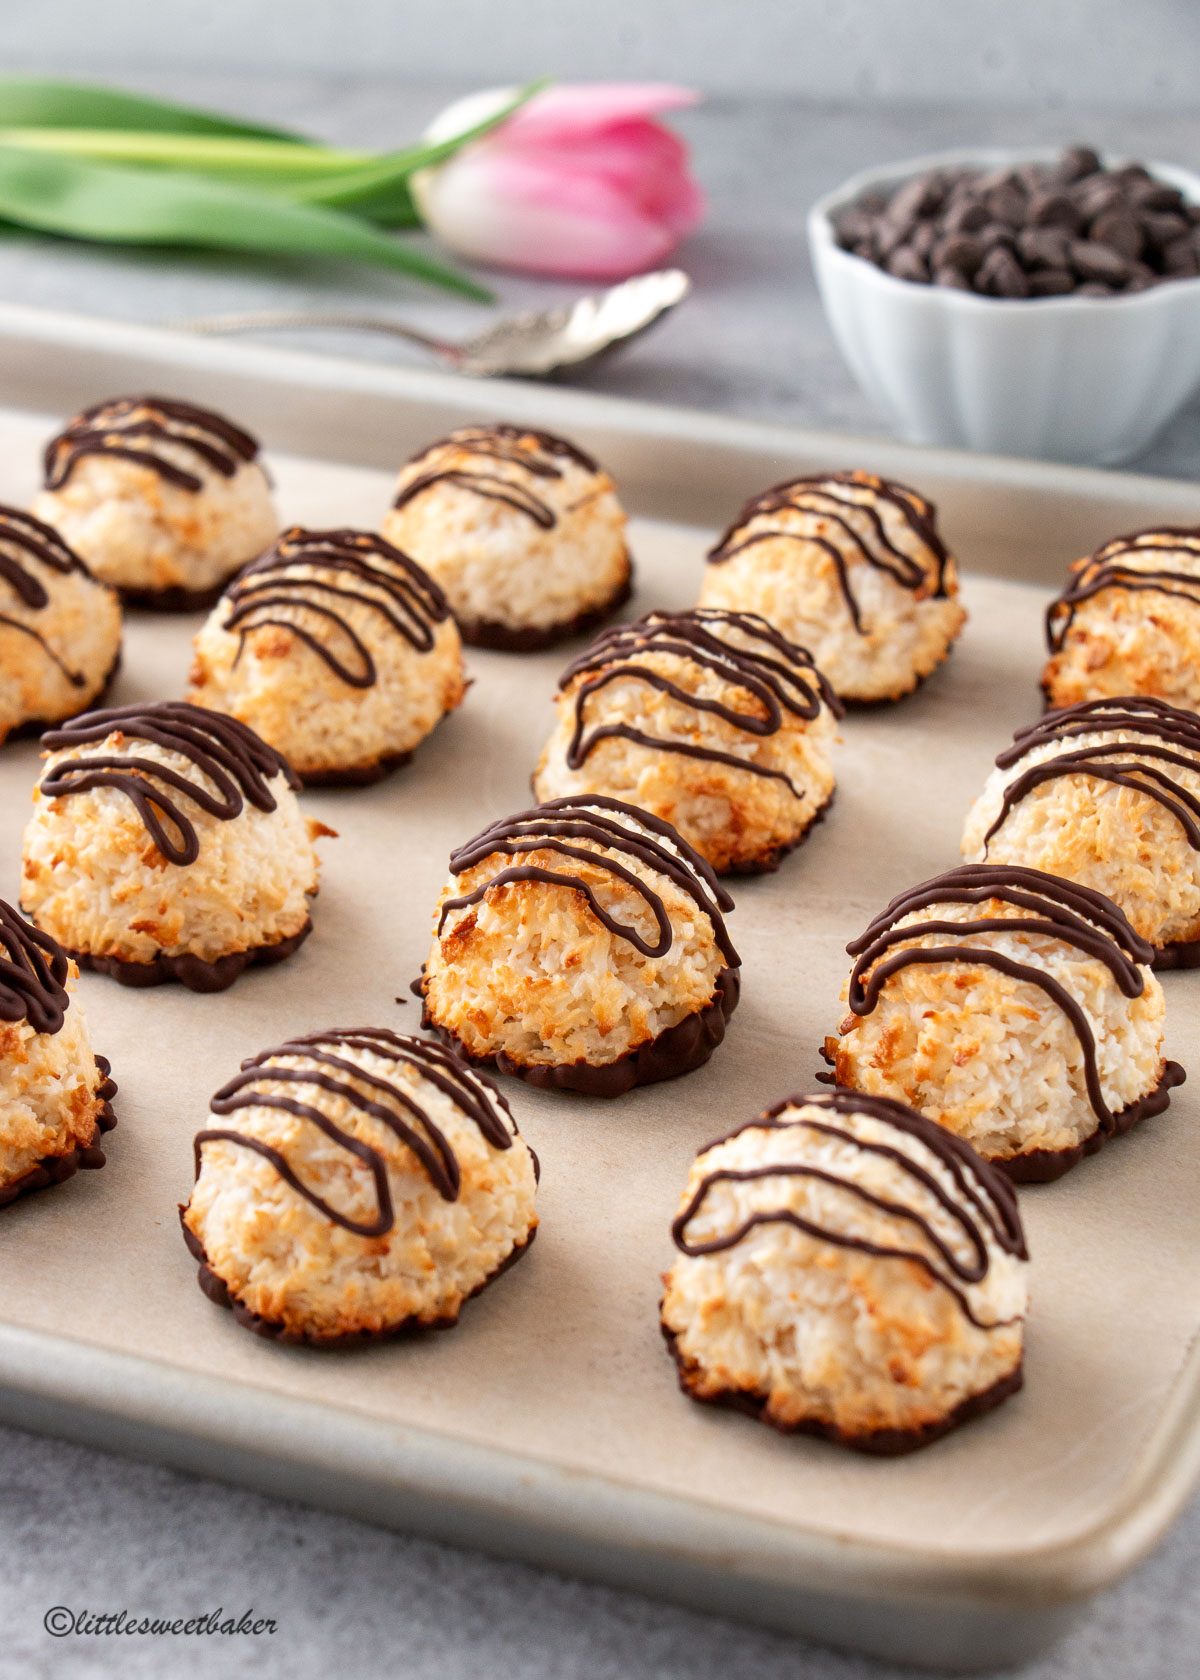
x: 475, y: 1097
x: 1062, y: 910
x: 226, y: 751
x: 350, y: 566
x: 822, y: 495
x: 134, y: 428
x: 882, y: 1443
x: 218, y: 1291
x: 36, y: 541
x: 56, y: 1169
x: 983, y: 1205
x: 197, y: 974
x: 1105, y: 571
x: 678, y: 1050
x: 775, y: 672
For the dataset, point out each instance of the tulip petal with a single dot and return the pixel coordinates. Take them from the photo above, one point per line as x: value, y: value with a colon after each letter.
x: 523, y: 215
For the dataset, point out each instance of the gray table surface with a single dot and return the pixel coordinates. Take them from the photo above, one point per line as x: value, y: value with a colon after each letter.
x: 86, y: 1530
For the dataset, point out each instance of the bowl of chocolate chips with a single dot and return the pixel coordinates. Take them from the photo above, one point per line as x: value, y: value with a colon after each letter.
x: 1021, y: 303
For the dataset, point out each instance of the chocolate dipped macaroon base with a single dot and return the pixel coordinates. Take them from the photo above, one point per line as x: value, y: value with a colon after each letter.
x: 878, y: 1443
x: 1045, y: 1166
x: 174, y: 598
x: 57, y: 1169
x: 509, y: 638
x: 680, y: 1049
x: 192, y: 972
x: 216, y: 1290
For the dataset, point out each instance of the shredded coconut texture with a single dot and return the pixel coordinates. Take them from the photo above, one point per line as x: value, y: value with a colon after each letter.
x: 1125, y: 641
x: 136, y: 531
x: 795, y: 585
x: 76, y: 634
x: 993, y: 1058
x: 529, y: 969
x: 94, y: 879
x: 1117, y: 840
x: 737, y: 819
x: 286, y: 1260
x: 49, y: 1085
x: 493, y: 562
x: 826, y: 1334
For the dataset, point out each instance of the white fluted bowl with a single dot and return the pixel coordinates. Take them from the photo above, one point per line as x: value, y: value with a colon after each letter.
x: 1080, y: 379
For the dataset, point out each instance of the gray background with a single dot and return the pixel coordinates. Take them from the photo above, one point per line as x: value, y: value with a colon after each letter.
x: 802, y: 93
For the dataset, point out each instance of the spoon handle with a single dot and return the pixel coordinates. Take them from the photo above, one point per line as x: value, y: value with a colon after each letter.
x: 270, y: 320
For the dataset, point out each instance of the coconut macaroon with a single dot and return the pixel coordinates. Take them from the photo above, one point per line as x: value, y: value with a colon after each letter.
x: 1128, y: 622
x: 166, y: 843
x: 337, y: 649
x: 581, y: 945
x: 848, y: 1269
x: 712, y: 720
x: 365, y: 1184
x: 1106, y: 792
x: 522, y: 531
x: 850, y: 566
x: 60, y: 630
x: 1014, y: 1008
x: 164, y: 500
x: 55, y: 1092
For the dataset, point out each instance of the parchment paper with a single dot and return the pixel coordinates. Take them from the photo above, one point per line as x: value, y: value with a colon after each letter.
x: 562, y: 1359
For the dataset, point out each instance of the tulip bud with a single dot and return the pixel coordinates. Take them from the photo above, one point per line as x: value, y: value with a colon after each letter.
x: 580, y: 181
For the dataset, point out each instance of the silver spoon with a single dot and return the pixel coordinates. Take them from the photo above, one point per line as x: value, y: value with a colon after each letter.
x: 536, y: 343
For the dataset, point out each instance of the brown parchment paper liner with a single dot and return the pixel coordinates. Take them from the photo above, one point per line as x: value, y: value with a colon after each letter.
x: 561, y: 1360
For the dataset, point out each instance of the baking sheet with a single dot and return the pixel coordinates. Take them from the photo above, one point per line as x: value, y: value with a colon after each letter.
x: 555, y: 1396
x: 562, y: 1360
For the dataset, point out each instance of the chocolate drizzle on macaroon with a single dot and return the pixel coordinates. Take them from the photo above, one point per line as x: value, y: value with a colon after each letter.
x: 134, y: 428
x: 539, y: 454
x: 325, y: 1072
x: 237, y: 763
x: 298, y: 583
x: 775, y: 672
x: 829, y: 505
x: 594, y: 820
x: 982, y: 1203
x: 1106, y: 570
x: 1121, y: 763
x: 41, y: 542
x: 1058, y: 909
x: 33, y: 974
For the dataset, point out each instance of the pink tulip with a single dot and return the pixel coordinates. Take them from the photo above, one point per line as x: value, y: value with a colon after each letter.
x: 580, y: 181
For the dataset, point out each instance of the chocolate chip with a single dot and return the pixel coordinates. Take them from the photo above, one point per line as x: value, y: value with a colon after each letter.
x: 1076, y: 162
x: 950, y: 276
x: 1051, y: 282
x: 1180, y: 258
x: 1001, y: 275
x: 1163, y: 227
x: 1007, y: 203
x: 1045, y: 247
x: 959, y: 251
x: 1155, y: 195
x: 968, y: 216
x: 919, y: 197
x: 1055, y: 209
x: 1097, y: 263
x: 996, y: 233
x: 924, y: 238
x: 1119, y: 230
x: 905, y: 264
